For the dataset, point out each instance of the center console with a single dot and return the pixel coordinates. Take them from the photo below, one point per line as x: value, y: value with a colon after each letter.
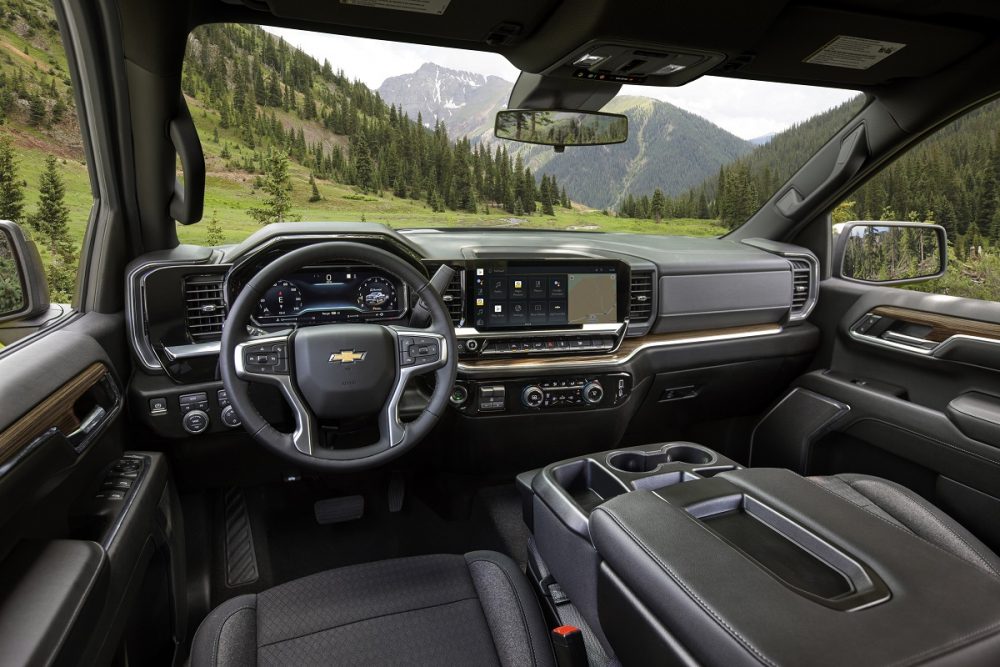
x: 672, y: 550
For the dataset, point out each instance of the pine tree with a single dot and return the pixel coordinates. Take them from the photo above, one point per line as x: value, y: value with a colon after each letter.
x: 276, y: 185
x: 315, y: 196
x: 364, y: 168
x: 11, y: 187
x: 51, y: 218
x: 214, y: 235
x: 657, y: 205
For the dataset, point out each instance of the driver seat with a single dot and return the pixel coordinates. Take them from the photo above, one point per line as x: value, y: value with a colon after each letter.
x: 443, y: 610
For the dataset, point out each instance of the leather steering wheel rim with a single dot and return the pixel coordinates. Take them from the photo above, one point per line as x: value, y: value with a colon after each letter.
x: 396, y: 438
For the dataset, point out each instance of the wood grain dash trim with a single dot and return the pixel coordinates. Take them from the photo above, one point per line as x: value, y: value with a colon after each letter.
x: 942, y: 327
x: 56, y: 411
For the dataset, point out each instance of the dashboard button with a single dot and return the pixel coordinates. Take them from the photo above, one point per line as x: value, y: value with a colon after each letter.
x: 157, y: 406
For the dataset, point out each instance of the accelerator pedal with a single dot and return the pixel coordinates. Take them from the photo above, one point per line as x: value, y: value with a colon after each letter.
x: 397, y: 491
x: 339, y: 510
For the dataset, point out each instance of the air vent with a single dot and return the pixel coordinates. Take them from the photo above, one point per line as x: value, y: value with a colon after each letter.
x: 641, y: 297
x: 205, y: 309
x: 455, y: 299
x: 803, y: 289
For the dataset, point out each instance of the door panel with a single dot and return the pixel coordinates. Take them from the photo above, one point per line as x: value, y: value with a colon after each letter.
x: 918, y: 382
x: 76, y: 548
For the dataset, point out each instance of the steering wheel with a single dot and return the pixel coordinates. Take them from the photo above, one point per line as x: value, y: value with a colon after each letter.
x: 338, y: 371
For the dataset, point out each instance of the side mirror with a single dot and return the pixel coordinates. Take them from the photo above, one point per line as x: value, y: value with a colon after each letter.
x: 889, y: 253
x: 24, y: 292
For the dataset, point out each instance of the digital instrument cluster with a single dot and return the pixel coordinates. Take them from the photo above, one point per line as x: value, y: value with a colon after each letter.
x: 328, y: 294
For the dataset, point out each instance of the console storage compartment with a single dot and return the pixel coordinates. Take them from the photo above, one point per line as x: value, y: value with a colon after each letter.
x: 763, y: 566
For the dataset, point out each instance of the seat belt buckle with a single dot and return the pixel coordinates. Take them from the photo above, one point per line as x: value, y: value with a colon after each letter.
x: 567, y: 640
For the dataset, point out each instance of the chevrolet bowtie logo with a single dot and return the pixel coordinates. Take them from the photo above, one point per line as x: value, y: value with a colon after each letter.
x: 347, y: 356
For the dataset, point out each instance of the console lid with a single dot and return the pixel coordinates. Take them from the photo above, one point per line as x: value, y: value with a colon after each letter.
x: 764, y: 566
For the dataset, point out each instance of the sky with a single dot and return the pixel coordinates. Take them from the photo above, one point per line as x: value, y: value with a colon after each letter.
x: 748, y: 109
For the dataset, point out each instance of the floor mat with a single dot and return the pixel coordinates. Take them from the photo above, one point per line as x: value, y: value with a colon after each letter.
x: 298, y: 546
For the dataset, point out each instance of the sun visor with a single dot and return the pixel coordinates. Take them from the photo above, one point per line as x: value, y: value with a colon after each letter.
x: 844, y: 49
x: 537, y: 91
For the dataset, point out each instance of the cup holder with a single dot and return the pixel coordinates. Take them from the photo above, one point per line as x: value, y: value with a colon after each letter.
x: 642, y: 462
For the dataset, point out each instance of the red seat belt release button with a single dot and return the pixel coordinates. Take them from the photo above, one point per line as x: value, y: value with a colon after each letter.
x: 567, y: 641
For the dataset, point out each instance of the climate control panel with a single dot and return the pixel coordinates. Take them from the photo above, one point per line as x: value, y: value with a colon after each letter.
x: 551, y: 393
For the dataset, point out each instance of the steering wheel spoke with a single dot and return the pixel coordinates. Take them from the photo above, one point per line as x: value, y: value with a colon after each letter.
x: 268, y: 360
x: 420, y: 352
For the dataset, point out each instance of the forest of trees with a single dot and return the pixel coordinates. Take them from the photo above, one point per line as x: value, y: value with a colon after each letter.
x: 278, y: 96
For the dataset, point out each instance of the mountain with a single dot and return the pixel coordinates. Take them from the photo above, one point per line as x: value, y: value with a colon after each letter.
x: 465, y: 102
x: 668, y: 148
x: 762, y: 139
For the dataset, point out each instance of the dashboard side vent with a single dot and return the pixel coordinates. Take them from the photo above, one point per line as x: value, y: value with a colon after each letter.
x: 803, y: 287
x: 454, y: 297
x: 641, y: 297
x: 204, y: 308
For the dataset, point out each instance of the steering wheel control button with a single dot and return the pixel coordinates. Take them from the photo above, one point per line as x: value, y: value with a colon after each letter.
x: 266, y: 358
x: 158, y: 406
x: 195, y: 422
x: 230, y: 418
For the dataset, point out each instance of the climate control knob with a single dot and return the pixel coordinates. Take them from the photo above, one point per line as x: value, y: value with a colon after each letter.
x: 593, y: 392
x: 533, y: 396
x: 195, y: 422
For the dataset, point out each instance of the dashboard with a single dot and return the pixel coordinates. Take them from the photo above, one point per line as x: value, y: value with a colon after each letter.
x: 331, y: 294
x: 557, y: 322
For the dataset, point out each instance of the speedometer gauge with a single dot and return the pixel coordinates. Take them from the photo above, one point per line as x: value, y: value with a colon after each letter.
x: 282, y: 299
x: 376, y: 294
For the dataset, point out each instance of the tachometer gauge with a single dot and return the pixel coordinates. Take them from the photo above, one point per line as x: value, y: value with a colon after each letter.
x: 284, y: 298
x: 376, y: 294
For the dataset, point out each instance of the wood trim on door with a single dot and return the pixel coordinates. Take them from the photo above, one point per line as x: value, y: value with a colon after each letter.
x: 942, y: 327
x: 55, y: 411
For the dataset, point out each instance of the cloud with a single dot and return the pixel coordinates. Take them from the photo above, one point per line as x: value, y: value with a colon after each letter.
x: 748, y: 109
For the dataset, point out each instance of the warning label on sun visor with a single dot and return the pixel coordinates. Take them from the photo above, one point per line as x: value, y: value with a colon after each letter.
x: 421, y: 6
x: 853, y: 52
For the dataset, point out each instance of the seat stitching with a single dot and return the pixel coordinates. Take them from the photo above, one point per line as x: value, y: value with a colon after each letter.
x: 701, y: 603
x: 218, y: 635
x: 905, y: 531
x: 965, y: 639
x: 520, y: 609
x: 362, y: 620
x: 937, y: 520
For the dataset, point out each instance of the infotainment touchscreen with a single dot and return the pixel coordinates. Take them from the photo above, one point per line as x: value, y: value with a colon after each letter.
x: 513, y: 295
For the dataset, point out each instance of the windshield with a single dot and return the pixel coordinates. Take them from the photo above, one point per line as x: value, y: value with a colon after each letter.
x: 314, y: 127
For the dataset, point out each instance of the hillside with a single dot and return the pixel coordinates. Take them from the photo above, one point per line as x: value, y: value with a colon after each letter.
x: 250, y: 95
x: 668, y: 148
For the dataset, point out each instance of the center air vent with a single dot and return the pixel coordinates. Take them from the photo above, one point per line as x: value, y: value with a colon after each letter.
x: 641, y: 297
x: 803, y: 288
x: 455, y: 299
x: 205, y: 309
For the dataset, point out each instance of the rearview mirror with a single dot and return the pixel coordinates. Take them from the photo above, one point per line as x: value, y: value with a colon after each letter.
x: 24, y: 292
x: 561, y: 128
x: 890, y: 253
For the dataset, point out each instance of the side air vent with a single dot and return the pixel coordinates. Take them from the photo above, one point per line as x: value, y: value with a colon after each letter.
x: 641, y: 297
x: 455, y: 299
x: 205, y: 309
x: 803, y: 288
